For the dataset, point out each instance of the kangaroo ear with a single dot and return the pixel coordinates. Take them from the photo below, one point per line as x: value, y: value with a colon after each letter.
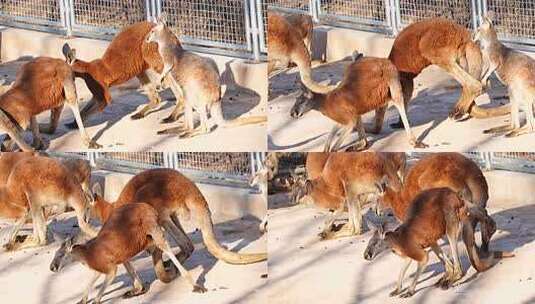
x: 490, y: 16
x: 309, y: 186
x: 356, y: 55
x: 163, y: 18
x: 97, y: 190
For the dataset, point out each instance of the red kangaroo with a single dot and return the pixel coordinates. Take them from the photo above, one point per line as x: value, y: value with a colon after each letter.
x: 129, y: 230
x: 433, y: 213
x: 451, y: 170
x: 173, y: 195
x: 353, y: 178
x: 127, y: 56
x: 441, y: 42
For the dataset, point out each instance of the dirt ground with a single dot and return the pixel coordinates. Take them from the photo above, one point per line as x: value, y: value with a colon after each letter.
x: 434, y: 97
x: 26, y: 278
x: 115, y: 131
x: 303, y: 269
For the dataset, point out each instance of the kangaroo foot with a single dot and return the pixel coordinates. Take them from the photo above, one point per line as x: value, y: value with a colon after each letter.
x: 135, y: 292
x: 518, y: 132
x: 499, y: 129
x: 199, y: 289
x: 358, y: 146
x: 395, y: 292
x: 137, y: 116
x: 169, y: 119
x: 29, y: 242
x: 408, y: 294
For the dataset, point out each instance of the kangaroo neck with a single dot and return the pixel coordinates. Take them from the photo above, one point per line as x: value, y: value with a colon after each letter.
x: 169, y: 51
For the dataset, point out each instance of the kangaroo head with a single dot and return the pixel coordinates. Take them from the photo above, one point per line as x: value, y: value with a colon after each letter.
x: 486, y: 31
x: 69, y: 53
x: 63, y: 255
x: 378, y: 242
x: 159, y: 32
x: 304, y: 103
x: 298, y: 190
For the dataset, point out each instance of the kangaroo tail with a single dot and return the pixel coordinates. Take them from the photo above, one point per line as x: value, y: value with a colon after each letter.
x: 212, y: 244
x: 301, y: 57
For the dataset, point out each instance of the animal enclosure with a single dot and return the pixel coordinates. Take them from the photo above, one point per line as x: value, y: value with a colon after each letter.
x: 234, y: 169
x: 223, y: 26
x: 515, y: 20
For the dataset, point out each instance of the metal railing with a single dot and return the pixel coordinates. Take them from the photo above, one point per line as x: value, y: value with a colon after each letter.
x: 229, y: 27
x: 234, y: 169
x: 515, y: 19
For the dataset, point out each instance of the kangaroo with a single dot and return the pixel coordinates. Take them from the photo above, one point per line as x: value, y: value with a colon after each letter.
x: 127, y: 56
x: 79, y: 168
x: 350, y: 180
x: 369, y: 84
x: 41, y: 84
x: 285, y: 45
x: 194, y: 79
x: 441, y: 42
x: 304, y: 26
x: 173, y: 195
x: 433, y: 214
x: 260, y: 180
x: 39, y: 182
x: 514, y: 69
x: 129, y: 230
x: 315, y: 162
x: 450, y: 170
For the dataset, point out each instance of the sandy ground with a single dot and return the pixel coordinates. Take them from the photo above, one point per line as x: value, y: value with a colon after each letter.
x: 435, y: 95
x: 114, y: 129
x: 304, y: 270
x: 26, y: 278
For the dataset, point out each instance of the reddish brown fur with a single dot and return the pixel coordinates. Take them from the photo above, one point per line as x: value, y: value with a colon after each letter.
x: 451, y: 170
x: 37, y: 88
x: 127, y: 56
x: 425, y: 222
x: 365, y: 87
x: 286, y: 45
x: 364, y: 169
x: 126, y: 229
x: 315, y: 163
x: 431, y: 41
x: 171, y: 193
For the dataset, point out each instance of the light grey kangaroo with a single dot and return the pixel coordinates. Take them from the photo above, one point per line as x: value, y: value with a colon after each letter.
x: 515, y: 70
x: 195, y: 80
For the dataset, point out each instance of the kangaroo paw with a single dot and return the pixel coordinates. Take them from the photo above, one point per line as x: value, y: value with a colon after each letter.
x: 137, y: 116
x: 134, y: 292
x: 199, y: 289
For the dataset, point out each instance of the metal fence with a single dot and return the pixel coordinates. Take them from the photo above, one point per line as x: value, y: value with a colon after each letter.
x: 234, y: 169
x: 515, y: 19
x: 229, y: 27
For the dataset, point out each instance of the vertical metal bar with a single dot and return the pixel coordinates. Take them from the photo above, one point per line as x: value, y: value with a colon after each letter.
x: 474, y: 13
x: 313, y: 10
x: 318, y: 9
x: 251, y: 15
x: 397, y: 14
x: 71, y: 17
x: 261, y: 25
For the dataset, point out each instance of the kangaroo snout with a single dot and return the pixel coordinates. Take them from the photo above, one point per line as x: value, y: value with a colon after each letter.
x: 368, y: 255
x: 54, y: 267
x: 295, y: 113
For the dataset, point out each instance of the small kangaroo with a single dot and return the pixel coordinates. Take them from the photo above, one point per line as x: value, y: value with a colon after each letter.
x: 173, y: 195
x: 350, y: 180
x: 369, y: 84
x: 514, y: 69
x: 433, y: 214
x: 129, y: 230
x: 41, y: 84
x: 194, y: 79
x: 39, y: 182
x: 442, y: 42
x: 450, y: 170
x: 285, y: 45
x: 260, y: 179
